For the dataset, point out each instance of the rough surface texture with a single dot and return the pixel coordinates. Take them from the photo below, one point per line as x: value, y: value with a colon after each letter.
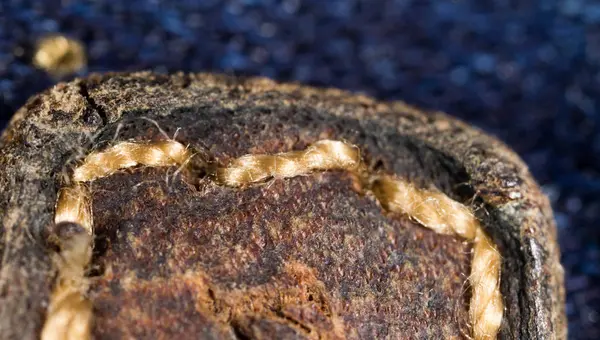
x: 303, y: 257
x: 306, y: 255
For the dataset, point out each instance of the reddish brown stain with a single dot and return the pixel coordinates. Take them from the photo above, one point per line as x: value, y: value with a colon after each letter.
x: 307, y: 254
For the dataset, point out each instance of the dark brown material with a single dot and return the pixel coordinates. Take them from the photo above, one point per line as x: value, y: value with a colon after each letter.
x: 303, y: 258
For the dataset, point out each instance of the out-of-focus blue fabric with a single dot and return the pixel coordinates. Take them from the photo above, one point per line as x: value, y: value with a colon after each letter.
x: 527, y: 71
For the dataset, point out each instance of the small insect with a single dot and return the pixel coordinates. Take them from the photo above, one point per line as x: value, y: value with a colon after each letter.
x: 59, y: 56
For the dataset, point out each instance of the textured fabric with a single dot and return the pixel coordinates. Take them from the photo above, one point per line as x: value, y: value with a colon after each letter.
x: 526, y: 71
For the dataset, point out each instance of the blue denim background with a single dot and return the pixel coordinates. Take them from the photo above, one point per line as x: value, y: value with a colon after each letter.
x: 527, y: 71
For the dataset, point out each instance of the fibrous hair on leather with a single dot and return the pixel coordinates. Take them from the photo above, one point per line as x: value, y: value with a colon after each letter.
x: 70, y: 313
